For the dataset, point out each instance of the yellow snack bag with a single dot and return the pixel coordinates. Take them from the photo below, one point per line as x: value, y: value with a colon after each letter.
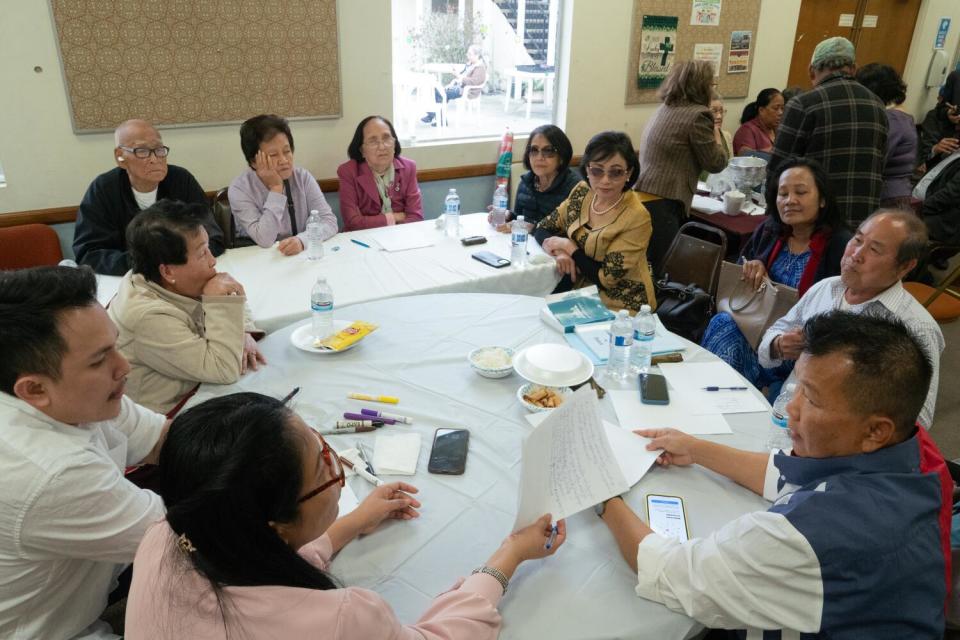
x: 342, y: 339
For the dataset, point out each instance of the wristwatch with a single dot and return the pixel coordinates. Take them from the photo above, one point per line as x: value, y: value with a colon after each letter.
x: 601, y: 507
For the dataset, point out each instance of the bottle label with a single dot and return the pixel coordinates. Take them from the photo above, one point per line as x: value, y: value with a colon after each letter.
x: 519, y: 238
x: 779, y: 419
x: 621, y: 341
x: 453, y: 207
x: 500, y: 202
x: 322, y: 306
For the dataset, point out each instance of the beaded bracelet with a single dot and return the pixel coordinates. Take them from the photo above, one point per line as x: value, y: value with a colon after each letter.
x: 496, y: 573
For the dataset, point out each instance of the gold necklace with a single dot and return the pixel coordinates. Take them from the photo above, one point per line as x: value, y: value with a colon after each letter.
x: 593, y: 206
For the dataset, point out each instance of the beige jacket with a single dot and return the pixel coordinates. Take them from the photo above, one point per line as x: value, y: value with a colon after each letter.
x: 174, y: 342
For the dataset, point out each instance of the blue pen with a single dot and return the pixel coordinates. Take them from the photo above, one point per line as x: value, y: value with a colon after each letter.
x: 725, y: 388
x: 552, y: 538
x: 362, y: 244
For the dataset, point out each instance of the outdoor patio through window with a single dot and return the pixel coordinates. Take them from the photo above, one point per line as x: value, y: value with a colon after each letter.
x: 507, y: 79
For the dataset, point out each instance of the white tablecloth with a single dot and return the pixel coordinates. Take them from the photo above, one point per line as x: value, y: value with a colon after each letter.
x: 419, y: 355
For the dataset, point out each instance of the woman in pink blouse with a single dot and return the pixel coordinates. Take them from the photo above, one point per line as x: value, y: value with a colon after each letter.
x: 378, y: 188
x: 759, y: 122
x: 251, y: 495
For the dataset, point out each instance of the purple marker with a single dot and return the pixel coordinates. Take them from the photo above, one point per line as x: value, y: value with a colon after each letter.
x: 361, y: 416
x: 386, y: 416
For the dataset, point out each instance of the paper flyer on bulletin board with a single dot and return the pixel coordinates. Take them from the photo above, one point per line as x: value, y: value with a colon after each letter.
x: 658, y: 43
x: 705, y: 13
x: 739, y: 59
x: 711, y: 53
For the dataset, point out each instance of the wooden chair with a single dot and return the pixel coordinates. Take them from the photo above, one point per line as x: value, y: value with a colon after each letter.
x: 29, y: 245
x: 943, y: 309
x: 224, y: 217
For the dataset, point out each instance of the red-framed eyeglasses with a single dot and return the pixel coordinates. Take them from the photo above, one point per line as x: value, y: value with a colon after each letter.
x: 332, y: 460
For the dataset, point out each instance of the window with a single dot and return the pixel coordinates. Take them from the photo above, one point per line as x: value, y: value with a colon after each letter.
x: 471, y: 68
x: 3, y: 178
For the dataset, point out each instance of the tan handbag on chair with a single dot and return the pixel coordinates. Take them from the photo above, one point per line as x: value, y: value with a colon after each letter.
x: 753, y: 310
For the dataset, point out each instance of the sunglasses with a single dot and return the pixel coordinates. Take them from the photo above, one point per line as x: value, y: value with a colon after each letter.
x: 332, y: 460
x: 543, y: 152
x: 614, y: 173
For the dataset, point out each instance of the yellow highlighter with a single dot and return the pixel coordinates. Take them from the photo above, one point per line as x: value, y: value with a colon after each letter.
x: 369, y: 398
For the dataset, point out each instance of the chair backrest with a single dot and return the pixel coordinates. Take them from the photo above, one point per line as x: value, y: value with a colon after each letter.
x: 691, y: 259
x: 29, y: 245
x: 224, y: 217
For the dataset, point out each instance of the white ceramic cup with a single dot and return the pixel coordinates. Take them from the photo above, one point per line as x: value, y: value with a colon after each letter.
x: 733, y: 202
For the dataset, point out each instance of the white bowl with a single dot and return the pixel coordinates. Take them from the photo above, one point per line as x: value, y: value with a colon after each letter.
x: 491, y: 372
x: 525, y: 390
x: 553, y: 365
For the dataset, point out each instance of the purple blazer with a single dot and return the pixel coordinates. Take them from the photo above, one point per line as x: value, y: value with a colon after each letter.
x: 360, y: 203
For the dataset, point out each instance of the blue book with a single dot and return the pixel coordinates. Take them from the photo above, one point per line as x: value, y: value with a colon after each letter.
x: 571, y: 311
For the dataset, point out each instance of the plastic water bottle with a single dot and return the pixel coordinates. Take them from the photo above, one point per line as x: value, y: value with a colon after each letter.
x: 314, y: 236
x: 518, y: 242
x: 500, y: 203
x: 644, y: 328
x: 621, y: 339
x: 451, y: 214
x: 779, y: 437
x: 321, y: 308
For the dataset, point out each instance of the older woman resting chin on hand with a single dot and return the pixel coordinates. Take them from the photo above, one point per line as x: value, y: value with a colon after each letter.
x: 599, y: 234
x: 378, y: 188
x: 179, y: 321
x: 243, y: 477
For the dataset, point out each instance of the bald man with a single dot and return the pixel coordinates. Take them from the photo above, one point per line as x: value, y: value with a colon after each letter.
x: 141, y: 177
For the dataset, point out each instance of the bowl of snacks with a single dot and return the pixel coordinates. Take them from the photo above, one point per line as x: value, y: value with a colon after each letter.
x: 492, y: 362
x: 537, y: 397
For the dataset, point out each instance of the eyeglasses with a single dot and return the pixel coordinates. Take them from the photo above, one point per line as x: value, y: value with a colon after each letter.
x: 332, y: 460
x: 719, y: 112
x: 143, y: 152
x: 614, y: 173
x: 382, y: 142
x: 544, y: 152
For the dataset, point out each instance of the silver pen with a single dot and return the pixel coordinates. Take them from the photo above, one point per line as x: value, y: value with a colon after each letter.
x: 363, y: 456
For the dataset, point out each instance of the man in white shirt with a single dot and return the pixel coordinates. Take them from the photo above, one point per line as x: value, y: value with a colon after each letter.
x: 69, y: 520
x: 884, y: 249
x: 856, y: 542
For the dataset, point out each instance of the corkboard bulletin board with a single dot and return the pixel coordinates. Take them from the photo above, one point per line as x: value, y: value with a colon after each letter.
x: 735, y: 15
x: 195, y: 62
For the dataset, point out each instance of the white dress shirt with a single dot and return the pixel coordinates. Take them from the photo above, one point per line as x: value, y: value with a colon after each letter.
x: 69, y: 520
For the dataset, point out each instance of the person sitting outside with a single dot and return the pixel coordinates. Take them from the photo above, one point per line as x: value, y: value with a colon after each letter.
x: 599, y: 234
x: 141, y: 177
x: 378, y: 187
x: 469, y: 81
x: 272, y: 199
x: 180, y: 322
x: 758, y: 124
x: 854, y: 542
x: 251, y: 494
x: 884, y: 249
x: 70, y: 520
x: 800, y: 243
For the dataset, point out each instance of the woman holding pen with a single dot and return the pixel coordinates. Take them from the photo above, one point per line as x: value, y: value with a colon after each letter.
x: 251, y: 495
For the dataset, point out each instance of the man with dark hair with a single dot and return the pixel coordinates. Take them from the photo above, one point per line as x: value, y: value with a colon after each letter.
x: 854, y: 542
x: 69, y: 519
x: 141, y: 177
x: 884, y: 249
x: 841, y: 124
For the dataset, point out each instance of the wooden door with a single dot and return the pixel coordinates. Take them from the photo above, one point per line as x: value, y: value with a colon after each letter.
x: 881, y: 31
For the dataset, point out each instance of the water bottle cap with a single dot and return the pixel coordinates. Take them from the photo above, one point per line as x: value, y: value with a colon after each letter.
x: 519, y: 218
x: 645, y: 308
x: 623, y: 313
x: 452, y: 192
x: 791, y: 387
x: 321, y: 279
x: 314, y: 212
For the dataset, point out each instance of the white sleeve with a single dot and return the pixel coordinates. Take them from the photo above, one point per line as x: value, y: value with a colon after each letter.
x: 793, y: 319
x: 757, y: 571
x: 142, y: 427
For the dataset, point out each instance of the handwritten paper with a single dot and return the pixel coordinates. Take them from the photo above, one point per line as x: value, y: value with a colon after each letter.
x: 690, y: 378
x: 633, y: 414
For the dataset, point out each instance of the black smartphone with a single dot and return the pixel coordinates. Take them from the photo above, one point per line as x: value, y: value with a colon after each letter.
x: 449, y: 452
x: 653, y: 389
x: 490, y: 258
x: 472, y: 240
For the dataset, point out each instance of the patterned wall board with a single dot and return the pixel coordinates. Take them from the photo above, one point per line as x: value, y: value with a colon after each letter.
x: 189, y: 62
x: 736, y: 15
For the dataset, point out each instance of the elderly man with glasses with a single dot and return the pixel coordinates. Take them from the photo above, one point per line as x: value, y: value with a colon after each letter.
x: 141, y: 177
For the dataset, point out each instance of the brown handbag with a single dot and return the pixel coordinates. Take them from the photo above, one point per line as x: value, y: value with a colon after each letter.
x: 753, y: 310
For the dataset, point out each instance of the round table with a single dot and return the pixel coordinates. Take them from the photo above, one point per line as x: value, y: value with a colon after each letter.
x: 419, y: 355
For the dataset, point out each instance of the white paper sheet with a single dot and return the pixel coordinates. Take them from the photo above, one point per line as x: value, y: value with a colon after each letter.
x: 633, y: 414
x: 567, y: 462
x: 706, y: 205
x: 403, y: 237
x: 690, y: 378
x: 396, y: 454
x: 348, y: 501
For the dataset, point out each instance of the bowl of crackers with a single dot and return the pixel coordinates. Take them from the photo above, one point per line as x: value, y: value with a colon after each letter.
x: 537, y: 397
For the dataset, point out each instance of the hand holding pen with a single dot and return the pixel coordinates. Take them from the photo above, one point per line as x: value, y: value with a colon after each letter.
x: 392, y: 501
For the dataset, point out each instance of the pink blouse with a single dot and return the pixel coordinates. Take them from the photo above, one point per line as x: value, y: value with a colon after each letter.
x: 752, y: 135
x: 169, y: 599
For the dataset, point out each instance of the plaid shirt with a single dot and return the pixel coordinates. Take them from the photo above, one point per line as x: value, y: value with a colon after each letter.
x: 841, y: 124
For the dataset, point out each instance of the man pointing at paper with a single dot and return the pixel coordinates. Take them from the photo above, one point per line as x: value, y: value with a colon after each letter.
x: 854, y: 543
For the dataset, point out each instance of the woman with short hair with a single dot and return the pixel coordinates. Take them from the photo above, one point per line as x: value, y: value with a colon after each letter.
x: 252, y: 523
x: 378, y: 187
x: 180, y: 322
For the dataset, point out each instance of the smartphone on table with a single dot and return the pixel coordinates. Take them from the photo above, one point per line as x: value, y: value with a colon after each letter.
x: 490, y: 258
x: 449, y: 452
x: 653, y: 389
x: 666, y: 517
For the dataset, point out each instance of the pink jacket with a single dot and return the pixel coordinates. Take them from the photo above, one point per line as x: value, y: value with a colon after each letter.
x: 169, y: 599
x: 360, y: 203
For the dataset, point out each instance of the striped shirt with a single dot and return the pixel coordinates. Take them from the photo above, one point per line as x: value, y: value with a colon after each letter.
x: 843, y: 125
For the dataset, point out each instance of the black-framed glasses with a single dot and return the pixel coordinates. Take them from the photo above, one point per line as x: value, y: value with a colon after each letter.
x: 332, y: 460
x: 543, y: 152
x: 144, y: 152
x: 614, y: 173
x: 386, y: 141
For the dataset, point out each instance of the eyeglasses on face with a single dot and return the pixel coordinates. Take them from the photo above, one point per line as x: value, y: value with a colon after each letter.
x: 614, y: 173
x: 544, y: 152
x: 144, y: 152
x: 373, y: 143
x: 719, y: 111
x: 332, y: 460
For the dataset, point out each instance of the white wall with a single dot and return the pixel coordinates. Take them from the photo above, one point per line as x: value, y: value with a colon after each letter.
x: 919, y: 98
x: 47, y: 165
